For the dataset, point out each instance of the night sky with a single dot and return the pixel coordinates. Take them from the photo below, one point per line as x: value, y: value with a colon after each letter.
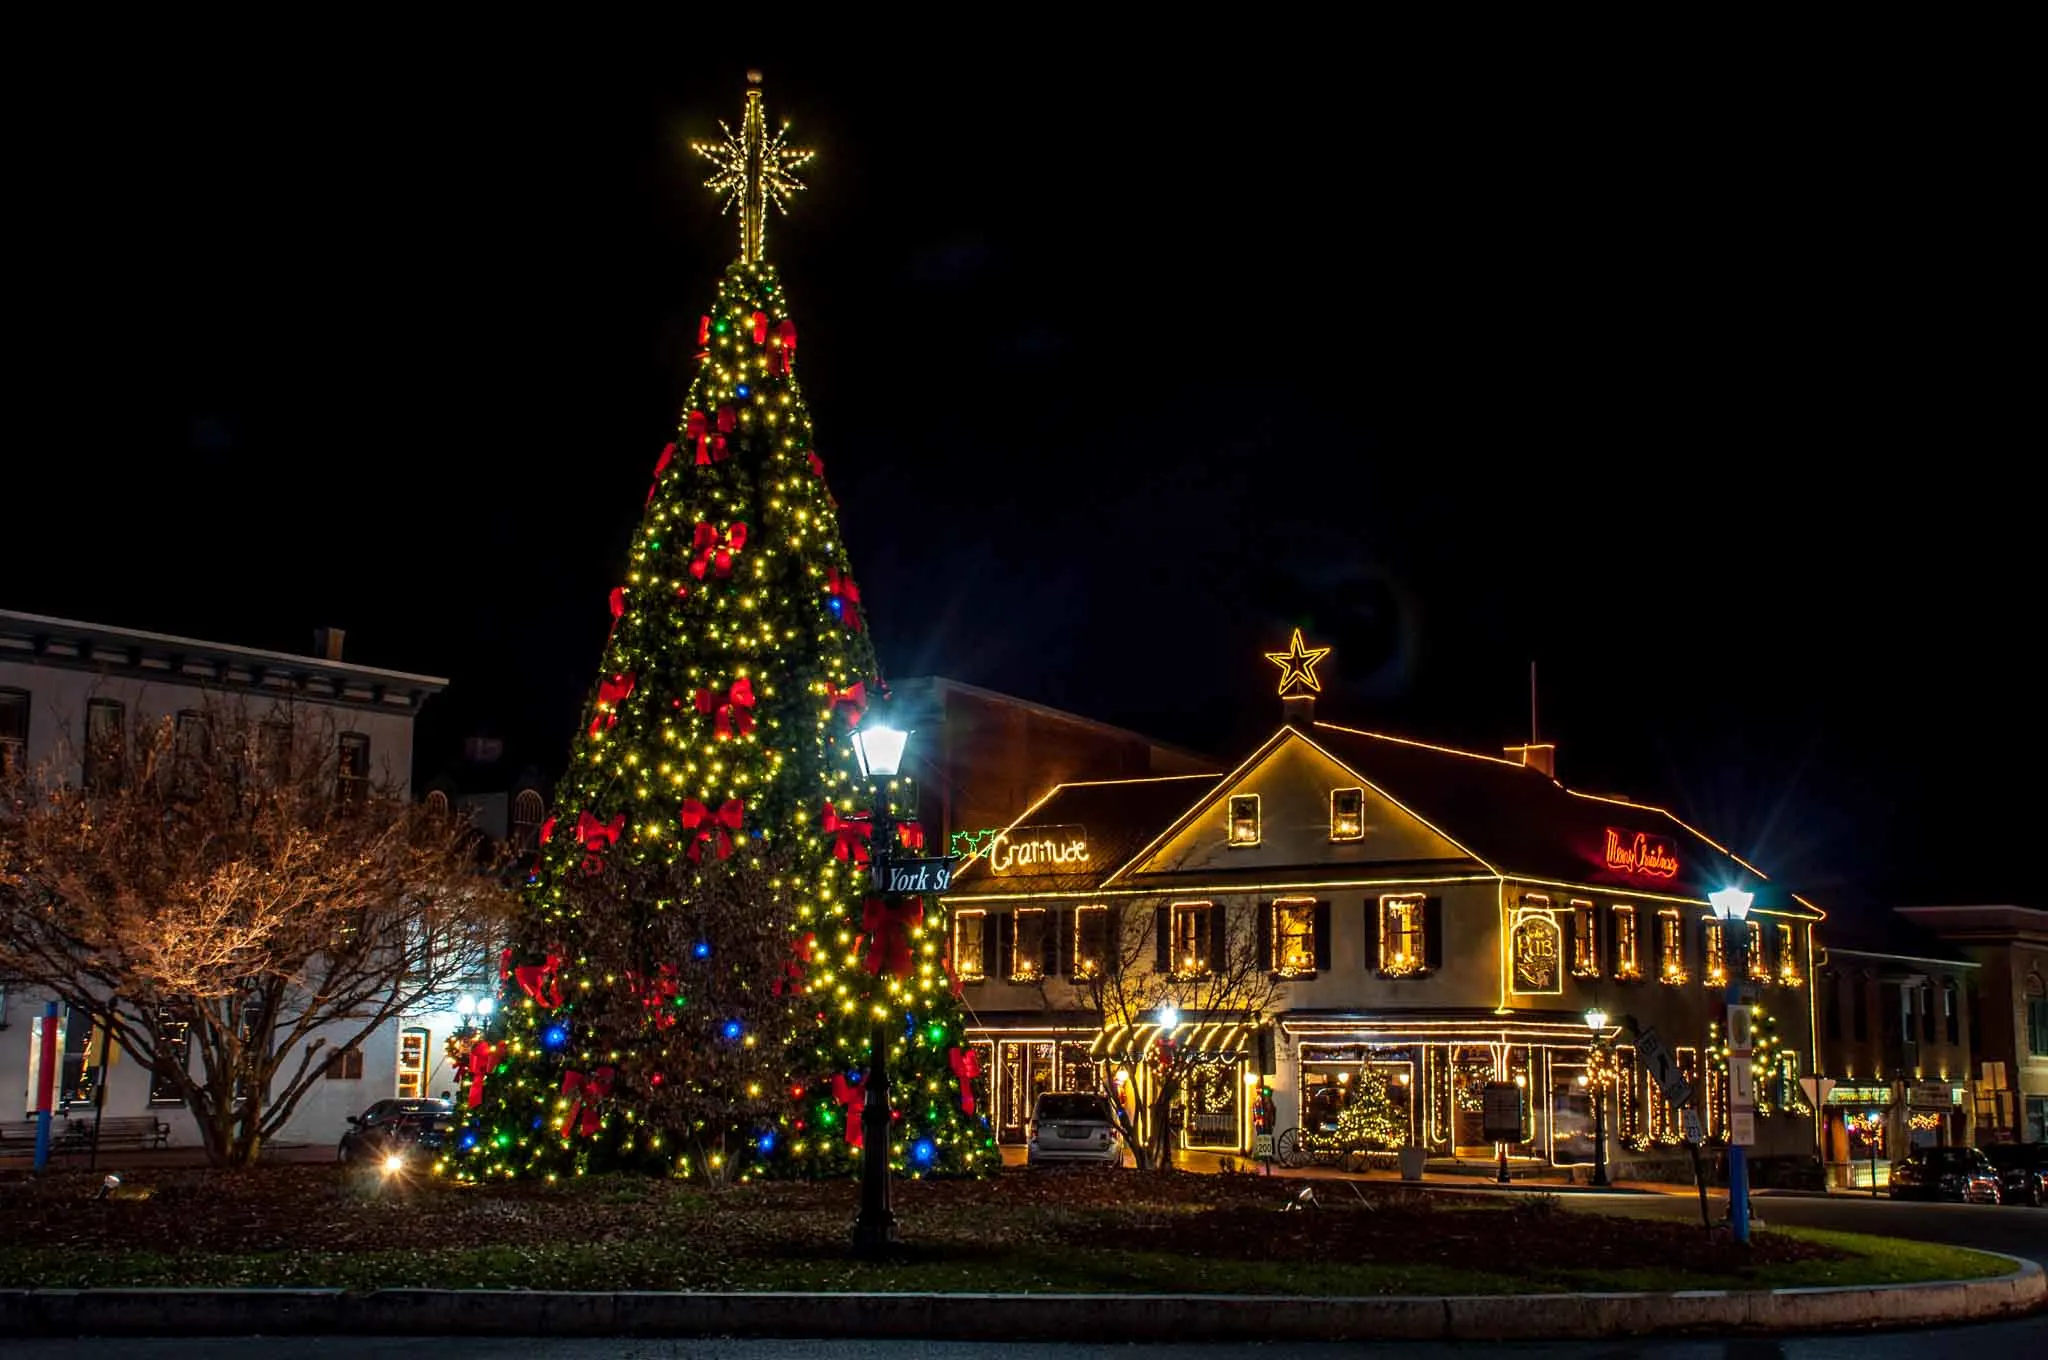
x: 1702, y: 392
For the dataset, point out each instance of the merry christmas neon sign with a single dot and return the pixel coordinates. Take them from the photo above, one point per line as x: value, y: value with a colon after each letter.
x: 1632, y: 852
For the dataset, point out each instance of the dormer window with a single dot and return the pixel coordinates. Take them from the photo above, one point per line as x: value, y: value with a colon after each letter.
x: 1347, y: 814
x: 1244, y: 819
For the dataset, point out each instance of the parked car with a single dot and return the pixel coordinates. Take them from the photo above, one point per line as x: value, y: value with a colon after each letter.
x: 394, y: 1126
x: 1959, y: 1173
x: 1073, y: 1126
x: 2022, y: 1171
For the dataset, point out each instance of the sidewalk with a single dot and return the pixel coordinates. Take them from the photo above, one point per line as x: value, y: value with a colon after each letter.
x: 1523, y: 1179
x: 138, y: 1159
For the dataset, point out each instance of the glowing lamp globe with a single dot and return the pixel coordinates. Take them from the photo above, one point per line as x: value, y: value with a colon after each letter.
x: 485, y: 1005
x: 1731, y: 904
x: 1596, y: 1019
x: 880, y: 750
x: 1169, y: 1016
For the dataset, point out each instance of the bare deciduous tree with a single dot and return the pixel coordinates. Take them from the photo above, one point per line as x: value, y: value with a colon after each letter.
x: 240, y: 901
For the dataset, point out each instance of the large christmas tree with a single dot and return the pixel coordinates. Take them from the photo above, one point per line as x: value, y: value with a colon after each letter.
x: 702, y: 967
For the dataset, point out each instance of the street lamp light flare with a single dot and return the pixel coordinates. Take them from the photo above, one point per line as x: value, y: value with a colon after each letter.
x: 880, y: 750
x: 1731, y: 904
x: 1596, y: 1019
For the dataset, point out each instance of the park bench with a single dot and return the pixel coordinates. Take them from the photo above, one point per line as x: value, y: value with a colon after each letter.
x: 121, y: 1130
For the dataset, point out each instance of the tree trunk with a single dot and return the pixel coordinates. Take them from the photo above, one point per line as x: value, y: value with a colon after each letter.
x: 1161, y: 1132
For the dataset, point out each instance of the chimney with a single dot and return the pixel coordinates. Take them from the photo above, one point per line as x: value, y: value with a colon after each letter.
x: 1298, y: 710
x: 1537, y: 755
x: 327, y: 643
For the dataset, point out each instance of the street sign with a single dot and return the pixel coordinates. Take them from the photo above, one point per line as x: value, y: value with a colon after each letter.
x: 1741, y: 1029
x: 1689, y: 1125
x: 912, y: 875
x: 1741, y: 1084
x: 1662, y: 1067
x: 1742, y: 1127
x: 1262, y: 1146
x: 1817, y: 1089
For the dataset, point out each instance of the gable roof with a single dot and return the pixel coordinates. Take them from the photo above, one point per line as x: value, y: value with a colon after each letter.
x: 1121, y: 816
x: 1524, y: 824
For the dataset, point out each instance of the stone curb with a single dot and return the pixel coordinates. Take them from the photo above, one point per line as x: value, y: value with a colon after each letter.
x: 1004, y: 1317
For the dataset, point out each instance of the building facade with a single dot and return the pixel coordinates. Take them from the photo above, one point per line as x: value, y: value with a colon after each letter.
x: 1893, y: 1010
x: 62, y: 683
x: 1405, y: 917
x: 2008, y: 1091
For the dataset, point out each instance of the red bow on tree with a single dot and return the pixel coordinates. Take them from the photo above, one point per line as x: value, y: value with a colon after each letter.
x: 609, y: 694
x: 966, y: 1065
x: 760, y: 320
x: 618, y: 602
x: 655, y: 994
x: 547, y: 831
x: 782, y: 347
x: 710, y: 443
x: 714, y: 828
x: 660, y: 467
x: 715, y: 551
x: 889, y: 925
x: 817, y: 464
x: 597, y: 837
x: 703, y: 330
x: 733, y: 711
x: 850, y: 834
x: 483, y: 1057
x: 850, y: 703
x: 849, y: 1094
x: 840, y: 586
x: 793, y: 969
x: 541, y: 981
x: 584, y: 1090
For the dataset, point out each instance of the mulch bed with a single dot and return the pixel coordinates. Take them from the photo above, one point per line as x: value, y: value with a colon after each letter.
x: 348, y: 1210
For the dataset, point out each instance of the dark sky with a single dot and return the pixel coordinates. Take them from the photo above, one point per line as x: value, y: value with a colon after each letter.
x: 1701, y: 388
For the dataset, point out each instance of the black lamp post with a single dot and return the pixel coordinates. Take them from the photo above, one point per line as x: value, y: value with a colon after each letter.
x: 1596, y: 1020
x: 880, y: 751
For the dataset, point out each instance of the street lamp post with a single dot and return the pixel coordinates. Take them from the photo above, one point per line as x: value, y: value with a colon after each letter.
x: 1731, y: 909
x: 879, y: 749
x: 1596, y: 1020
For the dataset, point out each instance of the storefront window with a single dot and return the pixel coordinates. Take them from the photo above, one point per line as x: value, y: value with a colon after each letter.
x: 1585, y: 941
x: 1191, y: 936
x: 1627, y: 964
x: 1211, y: 1100
x: 1401, y: 939
x: 1294, y: 936
x: 1091, y: 941
x: 1670, y: 947
x: 968, y: 962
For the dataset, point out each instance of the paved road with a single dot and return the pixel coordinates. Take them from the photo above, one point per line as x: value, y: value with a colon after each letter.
x: 2016, y: 1231
x: 2027, y: 1337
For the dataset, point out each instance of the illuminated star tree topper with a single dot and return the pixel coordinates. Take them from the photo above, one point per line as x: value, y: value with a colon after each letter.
x: 753, y: 170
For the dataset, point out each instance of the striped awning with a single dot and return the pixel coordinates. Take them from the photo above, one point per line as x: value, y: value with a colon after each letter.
x: 1193, y: 1036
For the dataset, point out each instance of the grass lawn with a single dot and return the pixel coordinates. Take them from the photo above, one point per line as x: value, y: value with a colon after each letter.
x: 1061, y: 1232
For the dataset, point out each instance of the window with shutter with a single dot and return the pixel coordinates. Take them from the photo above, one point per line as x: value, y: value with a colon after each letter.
x: 1628, y: 966
x: 13, y: 734
x: 1193, y: 939
x: 1091, y: 941
x: 1402, y: 947
x: 1715, y: 973
x: 1585, y: 941
x: 1294, y: 936
x: 969, y: 961
x: 1670, y: 947
x: 1027, y: 954
x: 106, y: 744
x: 1759, y: 961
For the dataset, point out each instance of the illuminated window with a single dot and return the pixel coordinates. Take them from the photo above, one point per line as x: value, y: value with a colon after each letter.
x: 1091, y: 941
x: 1027, y: 951
x: 1628, y: 964
x: 1788, y: 957
x: 1401, y: 935
x: 172, y: 1048
x: 969, y: 963
x: 1294, y: 936
x: 13, y: 733
x: 437, y: 804
x: 412, y: 1064
x: 1244, y: 819
x: 1585, y: 941
x: 1347, y: 814
x: 352, y: 768
x: 1715, y: 973
x: 1191, y: 937
x: 1670, y: 946
x: 2037, y: 1018
x: 106, y: 746
x: 1759, y: 962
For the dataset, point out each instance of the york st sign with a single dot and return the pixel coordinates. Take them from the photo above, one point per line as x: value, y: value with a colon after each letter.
x: 1039, y: 850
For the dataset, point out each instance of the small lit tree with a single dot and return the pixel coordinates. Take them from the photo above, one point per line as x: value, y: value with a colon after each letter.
x: 239, y: 903
x: 1370, y: 1117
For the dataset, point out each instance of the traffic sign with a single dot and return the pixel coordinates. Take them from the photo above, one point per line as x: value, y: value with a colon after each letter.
x: 1741, y: 1084
x: 1741, y: 1029
x: 1742, y: 1127
x: 1816, y: 1089
x: 1689, y: 1125
x: 1662, y: 1067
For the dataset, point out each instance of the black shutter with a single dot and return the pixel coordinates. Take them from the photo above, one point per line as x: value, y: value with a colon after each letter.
x: 1162, y: 920
x: 1263, y: 916
x: 1570, y: 935
x: 1372, y: 934
x: 1050, y: 945
x: 1006, y: 945
x: 1433, y: 933
x: 991, y: 944
x: 1219, y: 938
x: 1322, y: 937
x: 1613, y: 949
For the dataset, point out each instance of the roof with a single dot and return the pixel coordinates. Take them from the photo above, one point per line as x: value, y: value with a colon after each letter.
x: 1524, y: 824
x: 68, y: 642
x: 930, y: 688
x: 1121, y: 816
